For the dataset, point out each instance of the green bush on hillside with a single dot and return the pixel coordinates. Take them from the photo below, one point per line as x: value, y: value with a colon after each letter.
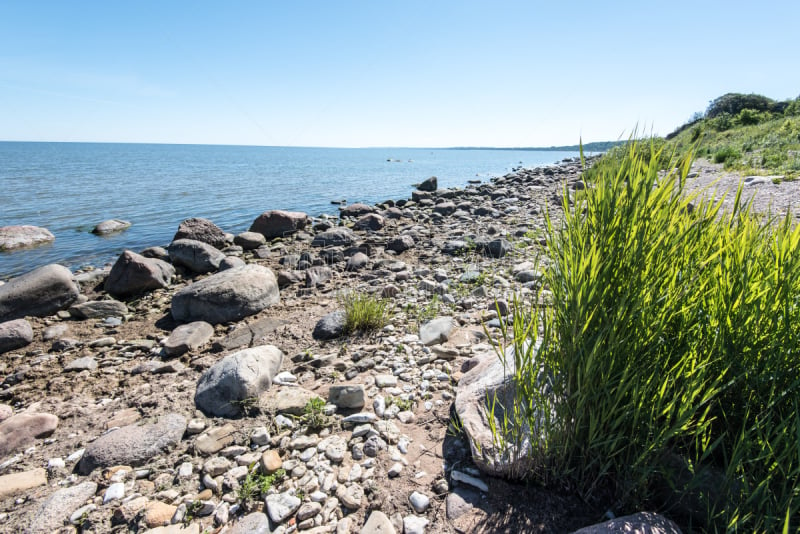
x: 668, y: 373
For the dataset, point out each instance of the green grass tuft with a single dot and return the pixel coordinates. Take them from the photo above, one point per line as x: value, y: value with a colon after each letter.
x: 364, y: 312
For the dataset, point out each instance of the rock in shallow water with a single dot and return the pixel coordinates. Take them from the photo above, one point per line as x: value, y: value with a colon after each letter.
x: 24, y: 236
x: 111, y: 226
x: 133, y: 274
x: 199, y: 229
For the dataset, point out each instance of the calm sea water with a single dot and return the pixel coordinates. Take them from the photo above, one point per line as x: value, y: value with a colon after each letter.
x: 70, y: 187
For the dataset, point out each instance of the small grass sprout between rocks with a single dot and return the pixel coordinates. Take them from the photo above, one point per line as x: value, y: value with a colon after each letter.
x: 364, y: 312
x: 666, y: 373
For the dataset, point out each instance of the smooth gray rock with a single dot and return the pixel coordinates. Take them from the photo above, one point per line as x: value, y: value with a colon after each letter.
x: 54, y: 512
x: 24, y: 236
x: 400, y: 243
x: 188, y: 337
x: 347, y: 396
x: 15, y: 335
x: 330, y: 326
x: 20, y: 430
x: 428, y: 185
x: 317, y: 275
x: 414, y: 524
x: 370, y: 222
x: 357, y: 261
x: 87, y: 363
x: 253, y: 523
x: 133, y: 274
x: 444, y: 208
x: 641, y: 523
x: 227, y: 296
x: 38, y: 293
x: 134, y: 444
x: 195, y: 255
x: 279, y: 223
x: 356, y: 210
x: 199, y: 229
x: 98, y: 309
x: 335, y: 237
x: 240, y: 376
x: 419, y: 502
x: 250, y: 240
x: 111, y: 226
x: 496, y: 248
x: 378, y: 523
x: 159, y: 253
x: 460, y: 501
x: 436, y: 331
x: 231, y: 262
x: 281, y: 506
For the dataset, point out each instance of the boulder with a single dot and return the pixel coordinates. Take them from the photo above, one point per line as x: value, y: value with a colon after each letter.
x: 250, y: 240
x: 444, y: 208
x: 252, y: 523
x: 15, y: 335
x: 197, y: 256
x: 436, y: 331
x: 487, y: 390
x: 378, y: 523
x: 133, y: 275
x: 317, y: 275
x: 335, y: 237
x: 347, y: 396
x: 134, y: 444
x: 227, y: 296
x: 496, y: 248
x: 55, y: 511
x: 370, y: 222
x: 240, y: 377
x: 111, y: 226
x: 19, y: 431
x: 400, y: 243
x: 188, y: 337
x: 38, y: 293
x: 356, y: 210
x: 643, y: 522
x: 98, y: 309
x: 357, y: 261
x: 279, y: 223
x: 203, y: 230
x: 24, y: 236
x: 429, y: 185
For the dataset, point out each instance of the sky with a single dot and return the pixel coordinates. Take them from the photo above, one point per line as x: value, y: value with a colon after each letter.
x: 382, y: 73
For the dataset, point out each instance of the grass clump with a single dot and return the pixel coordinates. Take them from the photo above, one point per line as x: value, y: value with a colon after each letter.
x: 364, y: 312
x: 256, y: 484
x: 668, y: 368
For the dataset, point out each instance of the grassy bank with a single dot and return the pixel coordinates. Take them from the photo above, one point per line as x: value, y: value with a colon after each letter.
x: 748, y: 133
x: 668, y: 375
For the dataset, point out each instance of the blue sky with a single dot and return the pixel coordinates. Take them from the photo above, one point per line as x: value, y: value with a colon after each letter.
x: 381, y: 73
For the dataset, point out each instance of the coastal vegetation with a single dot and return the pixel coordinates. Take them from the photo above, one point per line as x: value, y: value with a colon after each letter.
x: 665, y: 374
x: 752, y: 134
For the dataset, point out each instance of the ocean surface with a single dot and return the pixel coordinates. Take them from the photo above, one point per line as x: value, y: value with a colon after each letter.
x: 70, y: 187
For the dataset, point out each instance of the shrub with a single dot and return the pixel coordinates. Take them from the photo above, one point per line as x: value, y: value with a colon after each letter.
x: 669, y: 357
x: 364, y: 312
x: 733, y: 103
x: 726, y: 154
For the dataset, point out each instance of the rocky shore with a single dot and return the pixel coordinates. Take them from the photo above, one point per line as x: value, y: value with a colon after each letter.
x: 208, y: 386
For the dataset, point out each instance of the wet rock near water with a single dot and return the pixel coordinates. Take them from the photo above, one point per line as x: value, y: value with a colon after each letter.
x: 111, y: 226
x: 24, y: 236
x: 133, y: 274
x: 38, y: 293
x: 203, y: 230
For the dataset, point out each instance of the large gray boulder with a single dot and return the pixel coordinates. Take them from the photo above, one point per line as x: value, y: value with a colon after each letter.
x: 356, y: 210
x: 436, y: 331
x: 641, y: 523
x: 95, y: 309
x: 484, y: 392
x: 15, y: 335
x: 134, y: 444
x: 39, y: 293
x: 188, y: 337
x: 199, y: 229
x: 133, y: 274
x: 237, y: 379
x: 279, y: 223
x: 20, y: 430
x: 335, y: 237
x: 24, y: 236
x: 195, y: 255
x: 227, y: 296
x: 429, y: 185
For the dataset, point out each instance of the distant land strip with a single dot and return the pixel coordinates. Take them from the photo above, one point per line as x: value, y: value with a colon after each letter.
x: 597, y: 146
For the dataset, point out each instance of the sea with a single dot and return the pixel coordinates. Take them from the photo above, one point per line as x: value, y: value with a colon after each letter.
x: 70, y: 187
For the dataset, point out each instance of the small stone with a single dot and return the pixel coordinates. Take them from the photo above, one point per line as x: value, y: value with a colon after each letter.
x: 347, y: 396
x: 360, y: 418
x: 413, y: 524
x: 308, y: 510
x: 419, y: 502
x: 378, y: 523
x: 464, y: 478
x: 270, y: 461
x: 395, y: 470
x: 260, y: 435
x: 281, y: 506
x: 385, y: 381
x: 215, y: 439
x: 17, y: 483
x: 158, y: 513
x: 114, y: 492
x: 351, y: 496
